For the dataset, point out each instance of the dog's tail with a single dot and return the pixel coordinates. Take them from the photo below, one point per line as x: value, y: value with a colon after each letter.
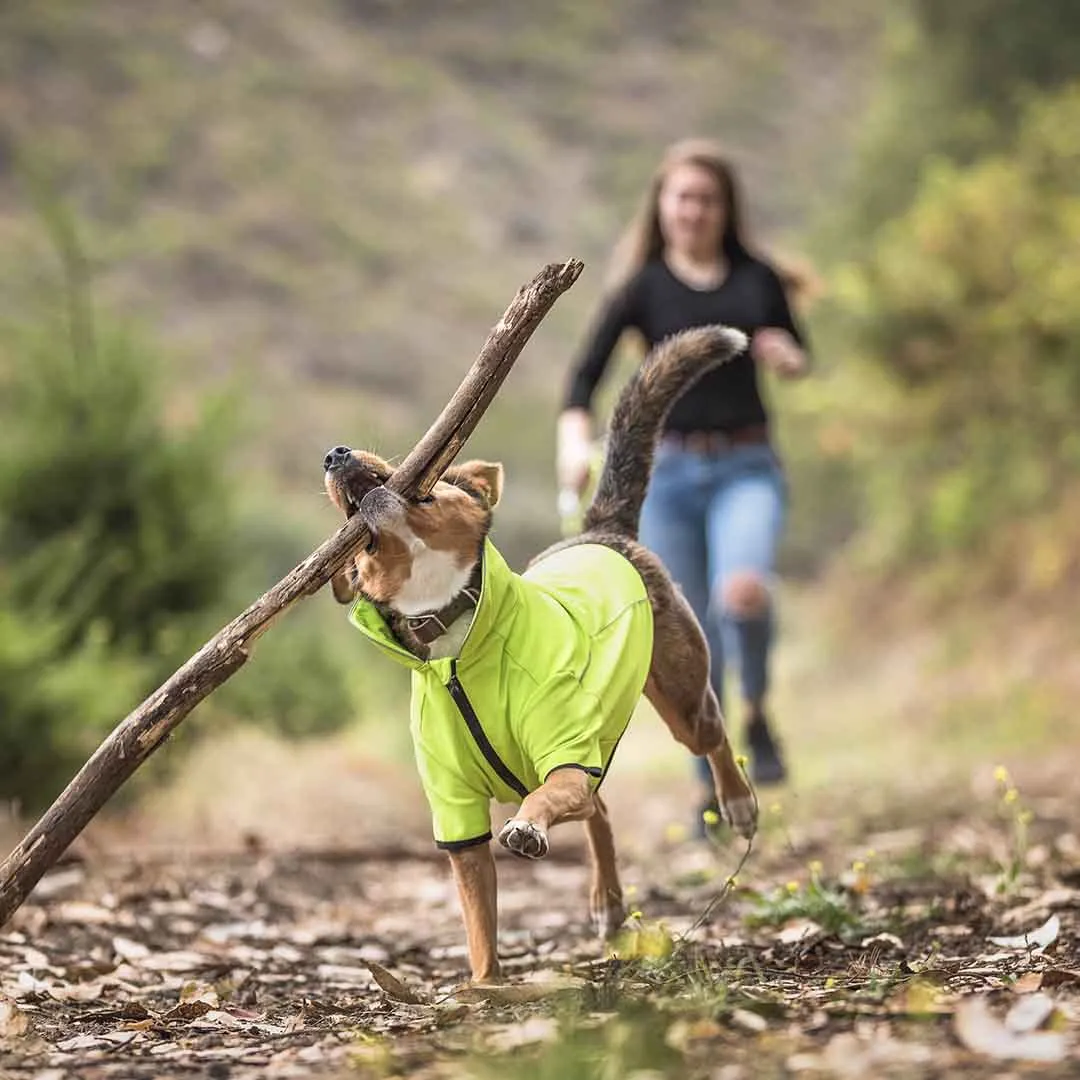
x: 639, y: 414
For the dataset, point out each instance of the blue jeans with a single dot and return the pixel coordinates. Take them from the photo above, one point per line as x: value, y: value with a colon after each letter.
x: 708, y: 516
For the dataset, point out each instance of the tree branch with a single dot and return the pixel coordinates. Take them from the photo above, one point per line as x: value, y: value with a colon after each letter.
x: 144, y: 730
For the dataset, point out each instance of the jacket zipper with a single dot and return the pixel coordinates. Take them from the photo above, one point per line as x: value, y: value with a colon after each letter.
x: 472, y: 722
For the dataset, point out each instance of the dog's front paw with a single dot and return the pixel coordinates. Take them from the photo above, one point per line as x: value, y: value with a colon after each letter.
x: 524, y: 838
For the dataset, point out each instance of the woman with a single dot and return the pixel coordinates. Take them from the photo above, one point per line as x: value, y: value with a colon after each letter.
x: 716, y: 499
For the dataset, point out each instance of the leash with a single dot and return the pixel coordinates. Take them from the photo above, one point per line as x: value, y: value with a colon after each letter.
x: 725, y: 891
x: 729, y: 885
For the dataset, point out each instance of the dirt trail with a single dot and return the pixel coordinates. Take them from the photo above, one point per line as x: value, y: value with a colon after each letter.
x: 269, y: 963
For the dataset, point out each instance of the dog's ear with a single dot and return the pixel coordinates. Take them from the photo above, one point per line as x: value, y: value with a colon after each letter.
x: 345, y: 584
x: 485, y: 476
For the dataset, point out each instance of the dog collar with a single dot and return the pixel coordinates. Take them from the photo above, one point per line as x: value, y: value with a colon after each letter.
x: 431, y: 625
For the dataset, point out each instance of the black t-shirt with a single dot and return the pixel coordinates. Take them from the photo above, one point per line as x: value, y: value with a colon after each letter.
x: 657, y: 304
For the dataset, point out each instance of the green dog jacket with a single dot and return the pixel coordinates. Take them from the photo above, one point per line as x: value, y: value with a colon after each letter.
x: 551, y: 669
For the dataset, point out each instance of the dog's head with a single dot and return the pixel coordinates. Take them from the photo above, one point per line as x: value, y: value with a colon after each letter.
x: 422, y: 552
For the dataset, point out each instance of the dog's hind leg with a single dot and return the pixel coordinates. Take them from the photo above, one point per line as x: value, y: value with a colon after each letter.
x: 678, y: 688
x: 605, y: 893
x: 738, y: 803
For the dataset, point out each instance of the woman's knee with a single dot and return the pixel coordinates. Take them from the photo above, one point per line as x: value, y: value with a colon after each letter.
x: 744, y: 594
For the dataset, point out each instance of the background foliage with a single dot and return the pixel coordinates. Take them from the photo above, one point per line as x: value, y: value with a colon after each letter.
x: 297, y: 223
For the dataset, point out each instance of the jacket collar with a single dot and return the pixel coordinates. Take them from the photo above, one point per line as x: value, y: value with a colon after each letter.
x: 499, y: 597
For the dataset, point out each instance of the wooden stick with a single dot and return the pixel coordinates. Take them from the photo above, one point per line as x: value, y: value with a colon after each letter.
x: 144, y: 730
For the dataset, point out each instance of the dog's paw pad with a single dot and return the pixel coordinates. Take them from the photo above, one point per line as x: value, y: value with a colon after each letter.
x: 741, y: 814
x: 524, y: 838
x: 607, y: 919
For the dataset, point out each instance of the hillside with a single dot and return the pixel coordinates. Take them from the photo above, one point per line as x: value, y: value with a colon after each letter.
x: 327, y: 205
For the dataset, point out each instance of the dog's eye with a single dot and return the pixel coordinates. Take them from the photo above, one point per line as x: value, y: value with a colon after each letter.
x: 425, y: 500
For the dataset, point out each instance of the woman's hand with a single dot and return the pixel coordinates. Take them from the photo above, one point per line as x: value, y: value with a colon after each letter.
x: 777, y: 350
x: 573, y: 461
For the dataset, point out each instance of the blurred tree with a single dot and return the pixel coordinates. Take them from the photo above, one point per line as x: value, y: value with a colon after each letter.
x: 121, y: 545
x: 54, y: 700
x: 955, y: 79
x: 952, y: 281
x: 967, y: 301
x: 114, y: 530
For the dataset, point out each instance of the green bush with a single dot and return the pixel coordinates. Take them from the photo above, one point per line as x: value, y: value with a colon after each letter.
x: 296, y: 682
x: 966, y: 304
x: 114, y: 532
x: 120, y: 547
x: 115, y: 523
x: 955, y: 78
x: 54, y: 703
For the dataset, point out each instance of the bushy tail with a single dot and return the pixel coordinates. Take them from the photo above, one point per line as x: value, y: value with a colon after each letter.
x: 639, y: 414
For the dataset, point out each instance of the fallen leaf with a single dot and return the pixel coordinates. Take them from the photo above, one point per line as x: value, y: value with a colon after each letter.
x: 13, y: 1021
x: 797, y: 931
x: 748, y: 1020
x: 393, y: 986
x: 121, y: 1038
x: 919, y: 997
x: 81, y: 911
x: 1047, y: 901
x: 1035, y: 940
x: 188, y: 1010
x: 26, y: 984
x: 56, y: 882
x: 81, y: 1042
x: 177, y: 962
x: 1060, y: 977
x: 447, y: 1015
x: 535, y: 1029
x: 1028, y: 983
x: 882, y: 939
x: 1030, y: 1013
x: 980, y: 1031
x: 128, y: 1010
x: 127, y: 949
x: 36, y: 960
x: 347, y: 976
x: 957, y: 930
x: 148, y: 1024
x: 30, y: 919
x: 197, y: 991
x: 219, y: 1018
x: 77, y: 991
x: 855, y: 1056
x: 515, y: 993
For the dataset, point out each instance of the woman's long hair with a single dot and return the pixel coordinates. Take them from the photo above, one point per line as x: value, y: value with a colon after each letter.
x: 642, y: 242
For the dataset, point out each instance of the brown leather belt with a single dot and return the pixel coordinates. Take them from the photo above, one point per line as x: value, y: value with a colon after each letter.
x: 716, y: 442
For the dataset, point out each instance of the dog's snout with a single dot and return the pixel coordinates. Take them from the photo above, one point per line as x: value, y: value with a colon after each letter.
x: 336, y: 458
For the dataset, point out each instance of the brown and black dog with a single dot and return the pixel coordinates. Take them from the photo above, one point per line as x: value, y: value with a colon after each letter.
x: 421, y: 570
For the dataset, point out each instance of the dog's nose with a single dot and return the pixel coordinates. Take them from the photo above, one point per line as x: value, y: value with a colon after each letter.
x: 336, y: 458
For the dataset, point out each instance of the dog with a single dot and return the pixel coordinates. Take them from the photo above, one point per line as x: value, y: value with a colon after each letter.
x: 523, y: 684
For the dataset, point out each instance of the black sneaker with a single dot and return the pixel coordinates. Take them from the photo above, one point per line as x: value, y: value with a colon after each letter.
x: 766, y: 763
